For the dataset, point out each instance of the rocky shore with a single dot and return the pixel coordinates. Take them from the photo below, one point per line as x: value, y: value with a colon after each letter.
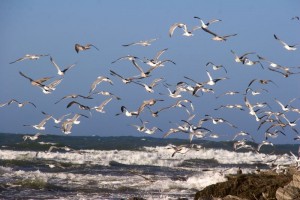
x: 261, y: 186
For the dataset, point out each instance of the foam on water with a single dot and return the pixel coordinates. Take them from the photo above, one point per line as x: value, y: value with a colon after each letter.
x: 158, y: 172
x: 153, y: 156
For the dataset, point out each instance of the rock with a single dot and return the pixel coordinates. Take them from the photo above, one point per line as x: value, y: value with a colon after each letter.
x: 246, y: 186
x: 291, y: 191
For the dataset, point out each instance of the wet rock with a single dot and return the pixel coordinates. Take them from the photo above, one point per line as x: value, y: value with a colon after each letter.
x: 290, y: 191
x: 246, y: 186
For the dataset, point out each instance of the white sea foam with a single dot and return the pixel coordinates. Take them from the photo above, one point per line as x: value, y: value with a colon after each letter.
x: 154, y: 156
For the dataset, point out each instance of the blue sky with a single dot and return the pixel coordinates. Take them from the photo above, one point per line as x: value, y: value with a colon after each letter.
x: 54, y: 27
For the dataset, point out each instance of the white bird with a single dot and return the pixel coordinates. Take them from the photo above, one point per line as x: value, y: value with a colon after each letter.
x: 152, y: 130
x: 251, y: 109
x: 239, y: 59
x: 242, y: 133
x: 264, y: 143
x: 20, y: 105
x: 286, y: 46
x: 205, y: 25
x: 213, y: 81
x: 41, y: 125
x: 30, y: 57
x: 57, y: 120
x: 102, y: 105
x: 180, y: 25
x: 31, y: 137
x: 216, y: 36
x: 106, y: 93
x: 285, y: 108
x: 127, y: 113
x: 216, y: 67
x: 142, y: 43
x: 98, y: 81
x: 59, y: 71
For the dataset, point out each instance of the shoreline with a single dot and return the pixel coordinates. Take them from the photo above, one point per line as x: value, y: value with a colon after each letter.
x: 263, y: 185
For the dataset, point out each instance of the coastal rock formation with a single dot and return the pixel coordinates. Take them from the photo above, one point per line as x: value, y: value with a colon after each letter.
x: 247, y: 186
x: 290, y: 191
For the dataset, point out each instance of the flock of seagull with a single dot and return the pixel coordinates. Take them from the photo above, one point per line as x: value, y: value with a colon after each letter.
x: 276, y: 122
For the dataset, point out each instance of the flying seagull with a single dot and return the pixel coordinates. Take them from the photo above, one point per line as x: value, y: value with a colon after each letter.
x: 218, y: 37
x: 180, y: 25
x: 142, y: 43
x: 99, y: 80
x: 79, y: 47
x: 30, y: 57
x: 73, y: 96
x: 59, y: 71
x: 285, y: 45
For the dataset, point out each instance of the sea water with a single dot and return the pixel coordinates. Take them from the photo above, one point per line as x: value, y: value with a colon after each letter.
x: 122, y: 167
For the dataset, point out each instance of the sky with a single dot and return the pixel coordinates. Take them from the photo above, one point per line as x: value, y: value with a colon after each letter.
x: 54, y: 27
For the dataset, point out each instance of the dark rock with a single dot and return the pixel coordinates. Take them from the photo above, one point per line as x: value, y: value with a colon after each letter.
x: 246, y: 186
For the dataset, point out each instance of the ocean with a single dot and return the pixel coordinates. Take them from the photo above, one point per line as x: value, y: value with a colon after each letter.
x: 124, y: 167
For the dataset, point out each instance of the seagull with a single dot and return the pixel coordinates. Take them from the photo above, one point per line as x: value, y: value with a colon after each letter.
x: 101, y: 106
x: 255, y: 92
x: 219, y: 120
x: 59, y: 71
x: 73, y: 96
x: 261, y: 81
x: 127, y: 113
x: 79, y: 47
x: 205, y: 25
x: 153, y: 62
x: 178, y: 149
x: 145, y: 103
x: 158, y: 64
x: 57, y: 120
x: 30, y: 57
x: 264, y: 143
x: 143, y: 43
x: 243, y: 133
x: 272, y: 64
x: 152, y: 130
x: 285, y: 108
x: 290, y: 123
x: 286, y: 72
x: 128, y: 57
x: 47, y: 89
x: 68, y: 123
x: 106, y: 93
x: 124, y: 80
x: 286, y: 46
x: 239, y: 143
x: 213, y: 81
x: 242, y: 57
x: 180, y: 25
x: 251, y: 109
x: 273, y: 134
x: 238, y: 106
x: 20, y: 105
x: 216, y: 67
x: 82, y: 107
x: 218, y: 37
x: 149, y: 88
x: 99, y: 80
x: 31, y: 137
x: 143, y: 74
x: 141, y: 128
x: 38, y: 82
x: 295, y: 18
x: 41, y: 125
x: 228, y: 93
x: 247, y: 61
